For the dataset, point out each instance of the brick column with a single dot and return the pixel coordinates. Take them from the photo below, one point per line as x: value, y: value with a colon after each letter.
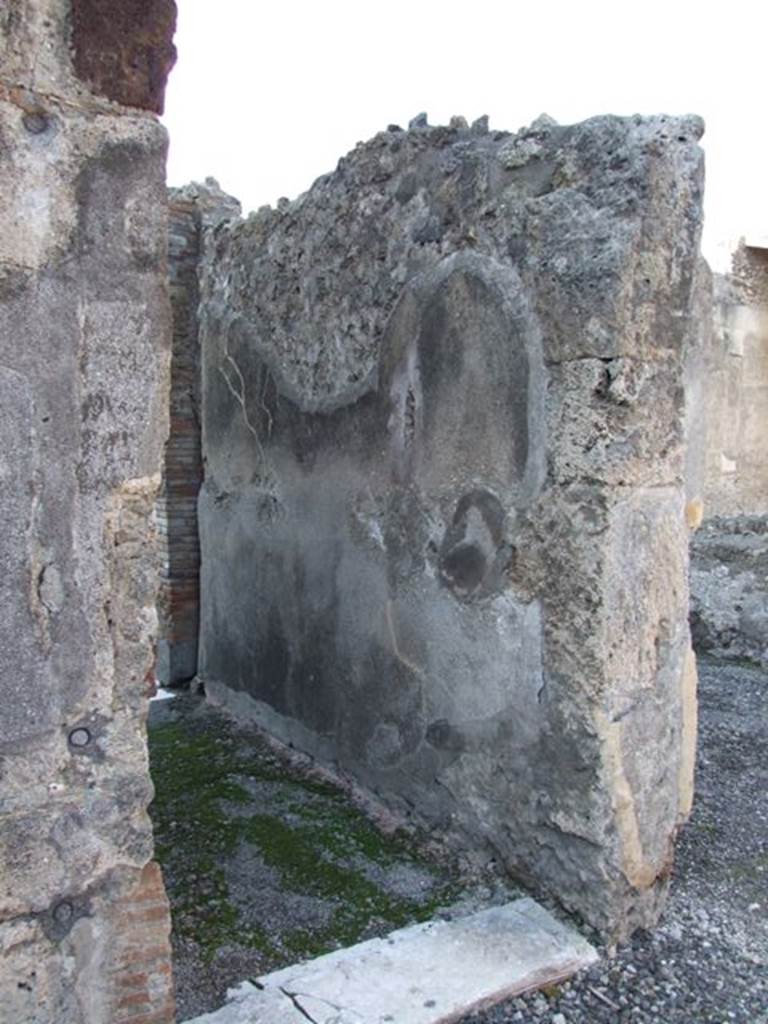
x: 179, y: 596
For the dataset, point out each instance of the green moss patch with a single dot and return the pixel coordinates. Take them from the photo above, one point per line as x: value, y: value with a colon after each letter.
x: 220, y: 790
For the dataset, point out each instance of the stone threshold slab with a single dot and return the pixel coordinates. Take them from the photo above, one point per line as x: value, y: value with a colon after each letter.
x: 431, y: 973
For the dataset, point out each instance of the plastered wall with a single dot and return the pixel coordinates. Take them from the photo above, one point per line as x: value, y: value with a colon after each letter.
x: 84, y: 353
x: 443, y: 528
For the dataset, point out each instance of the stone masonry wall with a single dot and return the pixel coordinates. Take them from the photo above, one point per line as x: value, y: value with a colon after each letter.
x: 729, y: 555
x: 192, y: 210
x: 84, y: 346
x: 443, y: 518
x: 736, y: 386
x: 179, y: 596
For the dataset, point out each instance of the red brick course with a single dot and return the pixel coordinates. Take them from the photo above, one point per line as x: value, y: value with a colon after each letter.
x: 141, y: 978
x: 178, y: 601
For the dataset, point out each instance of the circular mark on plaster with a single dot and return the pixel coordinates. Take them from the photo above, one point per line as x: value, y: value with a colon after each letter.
x: 464, y: 568
x: 441, y: 735
x: 35, y: 123
x: 471, y: 546
x: 59, y: 920
x: 63, y: 912
x: 79, y: 737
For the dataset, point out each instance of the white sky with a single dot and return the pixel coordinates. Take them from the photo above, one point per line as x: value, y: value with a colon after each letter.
x: 268, y: 94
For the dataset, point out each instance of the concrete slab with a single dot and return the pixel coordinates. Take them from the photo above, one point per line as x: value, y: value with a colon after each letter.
x: 268, y: 1007
x: 429, y: 973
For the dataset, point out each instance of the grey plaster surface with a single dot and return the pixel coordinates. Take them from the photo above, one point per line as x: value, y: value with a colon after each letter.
x: 442, y: 522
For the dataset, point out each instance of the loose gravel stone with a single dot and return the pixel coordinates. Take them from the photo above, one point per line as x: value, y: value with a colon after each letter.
x: 707, y: 963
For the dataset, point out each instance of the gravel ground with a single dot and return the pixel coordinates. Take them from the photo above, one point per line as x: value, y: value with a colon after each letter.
x: 266, y: 862
x: 707, y: 963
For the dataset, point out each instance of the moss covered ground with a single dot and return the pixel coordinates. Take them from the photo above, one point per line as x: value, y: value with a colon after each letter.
x: 265, y: 865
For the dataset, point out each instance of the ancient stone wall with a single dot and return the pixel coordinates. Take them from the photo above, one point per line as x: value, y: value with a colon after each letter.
x: 179, y: 595
x: 84, y: 346
x: 736, y: 387
x: 728, y: 388
x: 443, y: 517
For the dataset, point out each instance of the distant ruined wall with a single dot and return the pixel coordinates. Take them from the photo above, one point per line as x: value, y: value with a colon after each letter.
x: 84, y: 346
x: 737, y: 390
x: 729, y: 555
x: 443, y: 518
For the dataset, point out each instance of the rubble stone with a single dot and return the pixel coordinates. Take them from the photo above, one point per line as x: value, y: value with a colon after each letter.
x: 729, y: 588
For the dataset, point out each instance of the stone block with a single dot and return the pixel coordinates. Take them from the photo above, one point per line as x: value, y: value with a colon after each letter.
x: 429, y: 973
x: 729, y: 588
x: 442, y: 524
x: 125, y: 52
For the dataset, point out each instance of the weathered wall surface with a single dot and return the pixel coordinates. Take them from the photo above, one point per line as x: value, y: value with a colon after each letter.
x: 728, y: 388
x: 192, y: 210
x: 736, y: 383
x: 84, y: 340
x: 442, y: 521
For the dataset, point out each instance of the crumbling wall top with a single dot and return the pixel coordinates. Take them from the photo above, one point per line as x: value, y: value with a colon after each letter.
x: 582, y: 208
